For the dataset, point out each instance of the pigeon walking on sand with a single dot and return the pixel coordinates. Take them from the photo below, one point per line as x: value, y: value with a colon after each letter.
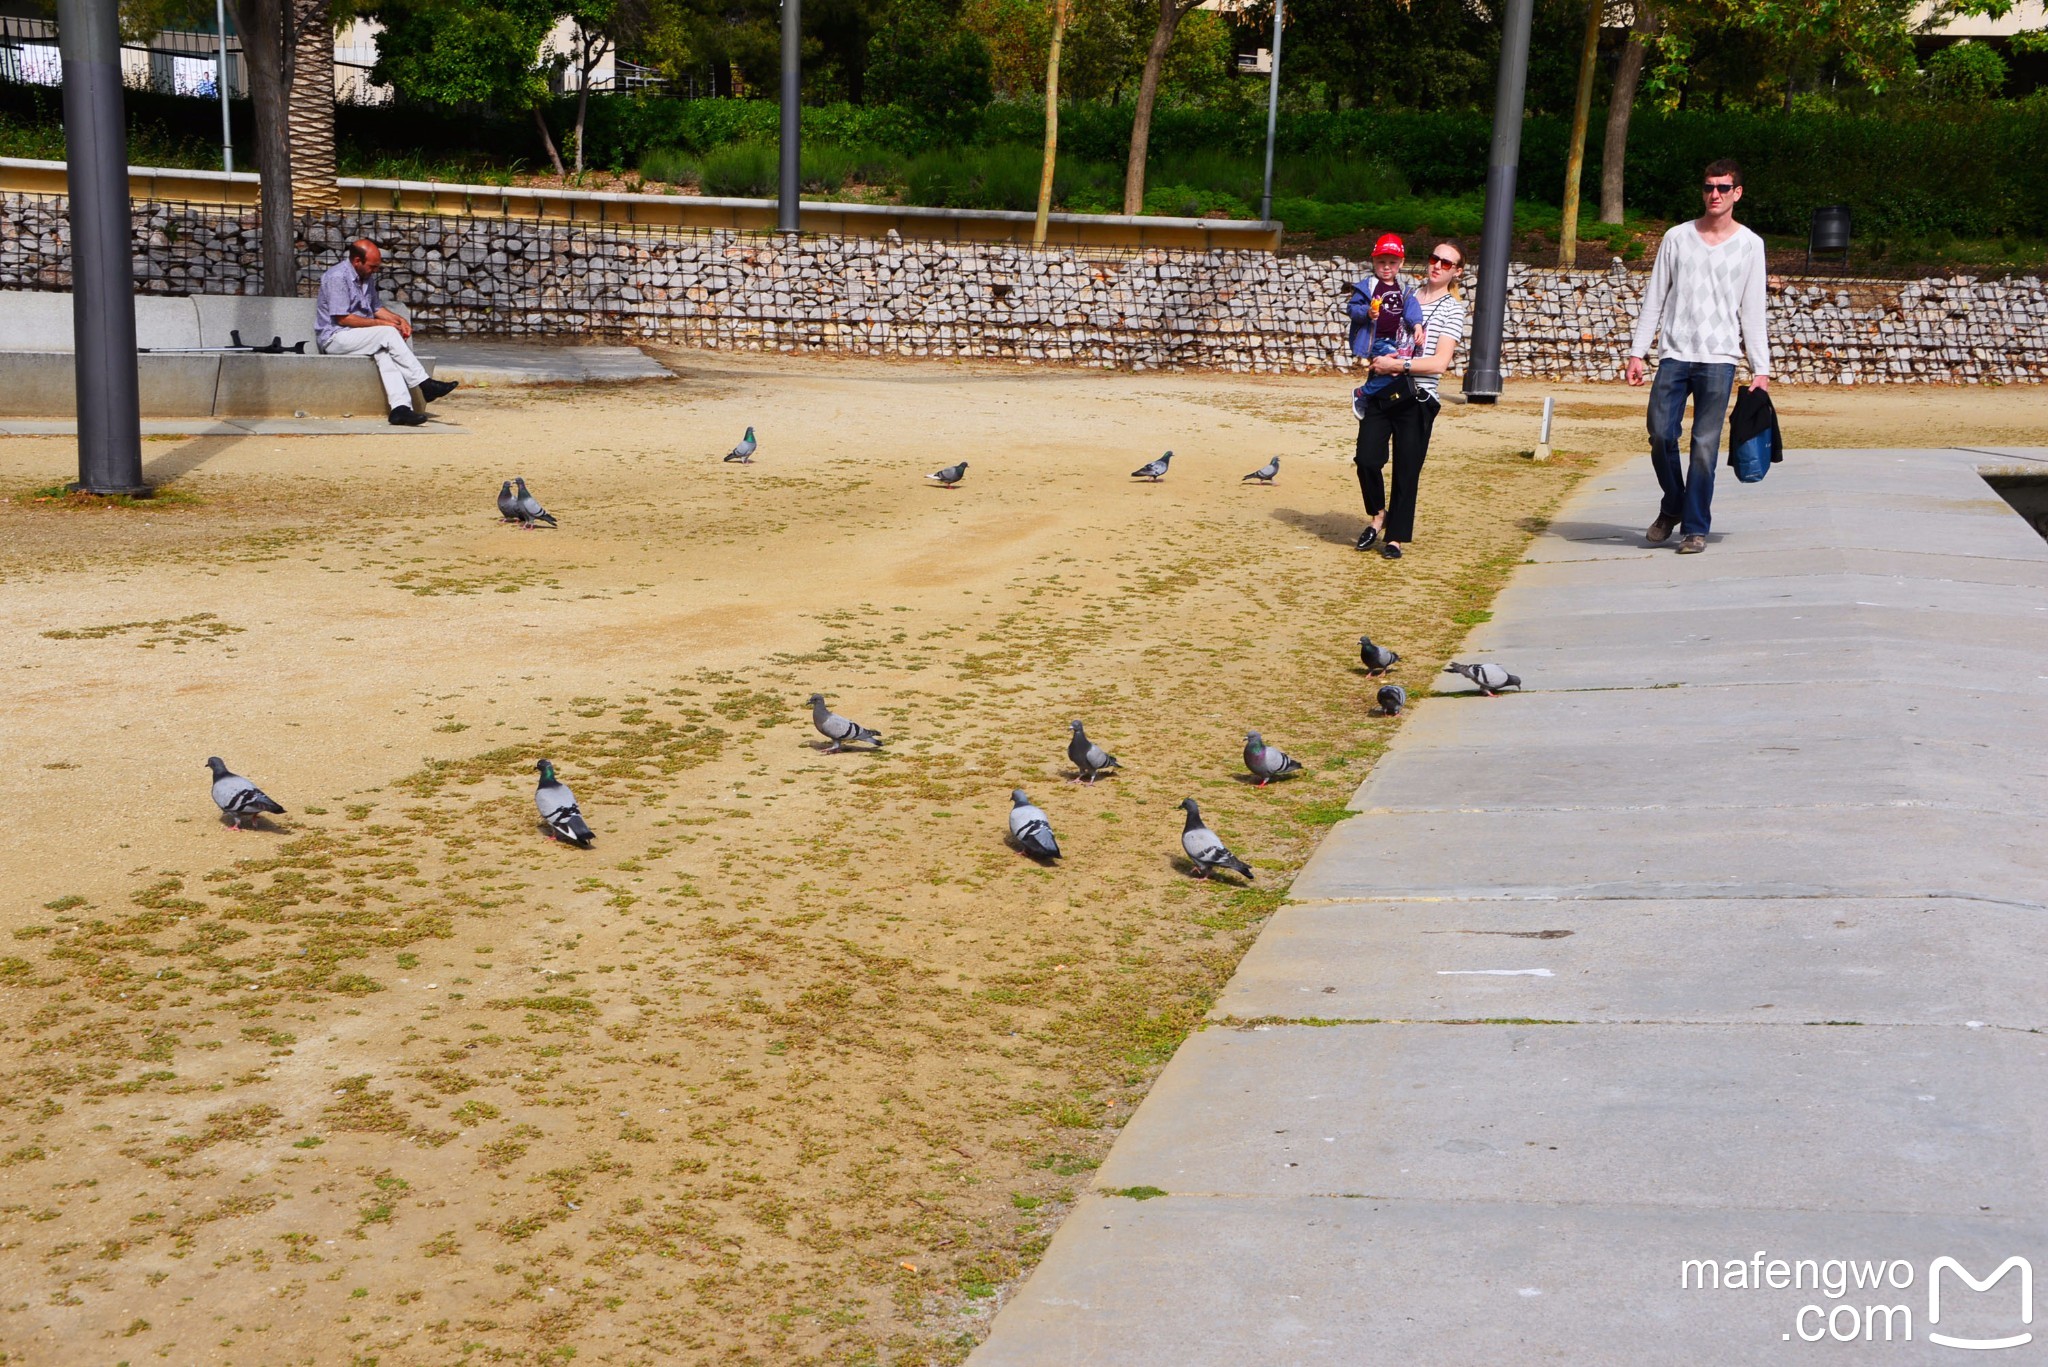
x: 508, y: 504
x: 949, y: 476
x: 1154, y: 470
x: 558, y: 809
x: 1376, y: 659
x: 1266, y: 473
x: 1204, y: 848
x: 237, y: 797
x: 1030, y: 829
x: 1089, y: 758
x: 838, y: 729
x: 530, y: 511
x: 1267, y: 762
x: 743, y: 454
x: 1393, y: 698
x: 1490, y: 677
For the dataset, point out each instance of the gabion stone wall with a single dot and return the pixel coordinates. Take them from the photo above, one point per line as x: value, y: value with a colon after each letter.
x: 1153, y: 309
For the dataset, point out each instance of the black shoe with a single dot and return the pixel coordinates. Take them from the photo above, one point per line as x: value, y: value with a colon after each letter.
x: 1366, y: 538
x: 431, y: 390
x: 1390, y: 551
x: 403, y: 416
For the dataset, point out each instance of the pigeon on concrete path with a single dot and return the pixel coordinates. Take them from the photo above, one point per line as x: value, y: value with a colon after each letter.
x: 1030, y: 829
x: 1490, y: 677
x: 1393, y: 698
x: 558, y: 809
x: 237, y: 797
x: 1377, y: 659
x: 530, y: 511
x: 1204, y: 848
x: 508, y: 504
x: 1265, y: 473
x: 1090, y: 758
x: 1154, y: 470
x: 838, y: 729
x: 743, y: 454
x: 949, y: 476
x: 1267, y: 762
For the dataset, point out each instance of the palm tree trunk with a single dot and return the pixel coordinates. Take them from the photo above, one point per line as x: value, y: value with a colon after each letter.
x: 261, y: 25
x: 1170, y: 15
x: 1620, y: 105
x: 312, y: 108
x: 1052, y: 120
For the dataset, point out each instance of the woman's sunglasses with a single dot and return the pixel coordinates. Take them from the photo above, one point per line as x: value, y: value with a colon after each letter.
x: 1445, y: 262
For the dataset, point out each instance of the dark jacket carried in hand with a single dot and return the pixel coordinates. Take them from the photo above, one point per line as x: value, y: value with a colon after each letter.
x: 1754, y: 444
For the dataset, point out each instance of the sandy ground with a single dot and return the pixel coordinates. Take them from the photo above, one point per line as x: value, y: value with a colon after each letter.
x: 801, y: 1062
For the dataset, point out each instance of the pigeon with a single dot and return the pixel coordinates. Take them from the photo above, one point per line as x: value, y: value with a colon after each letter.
x: 508, y: 504
x: 530, y: 511
x: 1030, y: 829
x: 1376, y: 659
x: 1265, y: 473
x: 237, y: 797
x: 1393, y: 698
x: 838, y: 729
x: 1090, y: 758
x: 1490, y: 677
x: 743, y: 454
x: 558, y: 809
x: 1204, y: 848
x: 1266, y: 761
x: 1154, y: 470
x: 949, y: 476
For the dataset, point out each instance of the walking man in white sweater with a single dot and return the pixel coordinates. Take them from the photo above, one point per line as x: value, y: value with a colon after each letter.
x: 1706, y: 296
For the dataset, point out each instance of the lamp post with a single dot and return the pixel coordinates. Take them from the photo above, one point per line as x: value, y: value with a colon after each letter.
x: 1489, y: 323
x: 788, y: 211
x: 227, y: 130
x: 1272, y: 117
x: 102, y: 270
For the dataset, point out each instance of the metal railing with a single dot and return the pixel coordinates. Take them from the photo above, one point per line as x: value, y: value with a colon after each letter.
x: 692, y: 213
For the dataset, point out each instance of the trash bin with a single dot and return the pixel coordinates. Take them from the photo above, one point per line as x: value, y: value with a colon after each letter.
x: 1830, y: 233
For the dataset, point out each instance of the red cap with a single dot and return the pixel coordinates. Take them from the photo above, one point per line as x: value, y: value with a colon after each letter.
x: 1389, y: 245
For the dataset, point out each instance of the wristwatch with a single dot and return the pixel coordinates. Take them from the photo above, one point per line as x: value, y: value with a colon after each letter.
x: 1407, y: 367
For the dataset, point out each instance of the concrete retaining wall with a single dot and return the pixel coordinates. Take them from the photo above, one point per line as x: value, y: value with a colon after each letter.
x: 1240, y: 311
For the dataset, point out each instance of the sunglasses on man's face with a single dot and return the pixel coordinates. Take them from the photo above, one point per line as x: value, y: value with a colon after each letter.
x: 1714, y: 188
x: 1445, y: 262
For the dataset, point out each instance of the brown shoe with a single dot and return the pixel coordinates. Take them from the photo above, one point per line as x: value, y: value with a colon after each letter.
x: 1692, y: 545
x: 1660, y: 531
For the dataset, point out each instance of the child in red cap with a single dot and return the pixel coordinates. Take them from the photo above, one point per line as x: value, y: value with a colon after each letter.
x: 1386, y: 320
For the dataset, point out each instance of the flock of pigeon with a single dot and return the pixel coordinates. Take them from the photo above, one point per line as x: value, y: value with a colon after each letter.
x: 1030, y: 828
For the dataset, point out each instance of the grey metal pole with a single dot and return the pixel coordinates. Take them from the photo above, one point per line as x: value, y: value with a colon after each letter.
x: 227, y: 129
x: 1489, y: 324
x: 789, y: 215
x: 1272, y: 118
x: 102, y: 279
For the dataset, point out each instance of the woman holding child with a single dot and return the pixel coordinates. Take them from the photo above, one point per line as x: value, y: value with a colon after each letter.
x: 1408, y: 338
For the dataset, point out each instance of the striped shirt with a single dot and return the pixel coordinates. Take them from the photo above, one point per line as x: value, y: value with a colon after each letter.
x: 1441, y: 317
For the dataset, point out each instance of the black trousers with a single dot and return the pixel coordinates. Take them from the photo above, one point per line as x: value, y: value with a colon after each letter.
x: 1408, y: 434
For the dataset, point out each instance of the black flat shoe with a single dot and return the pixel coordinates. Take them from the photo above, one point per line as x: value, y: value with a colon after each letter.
x: 1367, y: 537
x: 1390, y: 551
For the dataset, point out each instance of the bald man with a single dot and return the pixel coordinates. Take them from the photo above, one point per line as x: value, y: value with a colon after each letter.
x: 348, y: 320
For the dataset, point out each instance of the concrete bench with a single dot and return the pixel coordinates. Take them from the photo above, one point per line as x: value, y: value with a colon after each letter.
x: 38, y: 369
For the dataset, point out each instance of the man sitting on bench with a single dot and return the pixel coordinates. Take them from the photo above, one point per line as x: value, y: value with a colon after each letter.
x: 348, y: 320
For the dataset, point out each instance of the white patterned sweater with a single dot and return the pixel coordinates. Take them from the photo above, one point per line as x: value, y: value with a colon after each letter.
x: 1707, y: 301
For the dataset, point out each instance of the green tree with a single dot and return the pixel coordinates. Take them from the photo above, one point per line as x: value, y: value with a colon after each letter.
x: 1965, y: 73
x: 469, y: 53
x: 922, y: 58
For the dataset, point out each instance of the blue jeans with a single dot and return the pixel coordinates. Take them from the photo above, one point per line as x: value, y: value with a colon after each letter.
x: 1688, y: 493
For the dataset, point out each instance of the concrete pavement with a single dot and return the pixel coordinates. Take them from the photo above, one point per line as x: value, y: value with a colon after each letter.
x: 1722, y: 943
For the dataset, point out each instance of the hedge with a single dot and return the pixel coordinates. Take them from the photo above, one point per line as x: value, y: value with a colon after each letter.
x: 1968, y: 172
